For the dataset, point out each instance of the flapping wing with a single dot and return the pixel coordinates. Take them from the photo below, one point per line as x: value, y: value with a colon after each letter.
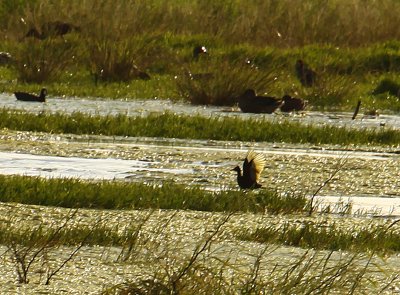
x: 253, y: 165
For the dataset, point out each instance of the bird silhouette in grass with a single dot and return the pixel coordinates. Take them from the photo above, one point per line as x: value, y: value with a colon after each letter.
x: 31, y: 97
x: 52, y: 29
x: 305, y: 74
x: 199, y: 51
x: 253, y: 165
x: 291, y: 104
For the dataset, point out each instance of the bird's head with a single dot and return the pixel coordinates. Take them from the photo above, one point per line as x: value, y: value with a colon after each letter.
x: 237, y: 169
x: 199, y: 50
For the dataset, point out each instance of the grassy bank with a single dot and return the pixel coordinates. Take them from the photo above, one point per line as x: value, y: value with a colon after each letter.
x: 371, y: 238
x: 283, y: 23
x: 247, y: 41
x: 192, y: 127
x: 123, y: 195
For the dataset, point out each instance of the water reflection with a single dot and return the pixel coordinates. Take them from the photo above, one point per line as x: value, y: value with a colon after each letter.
x: 144, y: 107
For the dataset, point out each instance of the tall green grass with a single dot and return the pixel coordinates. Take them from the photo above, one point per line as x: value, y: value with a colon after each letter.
x: 278, y: 23
x: 373, y: 238
x: 193, y: 127
x: 73, y: 193
x: 117, y: 41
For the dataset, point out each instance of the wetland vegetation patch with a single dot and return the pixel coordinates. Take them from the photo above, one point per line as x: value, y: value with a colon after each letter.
x: 372, y: 238
x: 73, y: 193
x: 170, y: 125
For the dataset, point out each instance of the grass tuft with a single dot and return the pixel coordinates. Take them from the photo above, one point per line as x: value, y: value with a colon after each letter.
x: 192, y: 127
x: 220, y: 83
x: 43, y: 61
x: 374, y: 238
x: 73, y: 193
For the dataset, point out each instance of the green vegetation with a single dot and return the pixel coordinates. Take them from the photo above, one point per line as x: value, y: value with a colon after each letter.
x: 116, y: 43
x: 312, y: 235
x: 192, y: 127
x: 73, y: 193
x: 113, y: 50
x: 178, y: 268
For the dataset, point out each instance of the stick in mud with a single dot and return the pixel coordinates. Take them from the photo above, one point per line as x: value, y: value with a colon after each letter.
x: 356, y: 110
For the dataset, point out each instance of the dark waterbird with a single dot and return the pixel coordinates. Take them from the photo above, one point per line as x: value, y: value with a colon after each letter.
x: 253, y: 165
x: 305, y: 74
x: 291, y: 104
x: 55, y: 28
x: 198, y: 51
x: 249, y: 102
x: 5, y: 58
x: 31, y: 97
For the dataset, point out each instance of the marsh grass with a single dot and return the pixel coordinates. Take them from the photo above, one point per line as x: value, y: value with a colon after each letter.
x: 219, y: 82
x: 123, y: 195
x: 199, y: 268
x: 330, y: 90
x: 116, y: 61
x: 43, y: 61
x: 371, y: 238
x: 170, y: 266
x: 297, y: 276
x: 119, y: 40
x: 264, y: 22
x: 34, y: 246
x: 192, y: 127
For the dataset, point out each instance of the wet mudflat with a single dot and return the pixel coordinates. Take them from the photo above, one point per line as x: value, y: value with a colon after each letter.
x: 369, y: 176
x: 290, y: 168
x: 177, y: 233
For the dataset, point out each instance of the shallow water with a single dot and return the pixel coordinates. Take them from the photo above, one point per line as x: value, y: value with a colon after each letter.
x: 208, y: 164
x: 369, y: 180
x: 174, y: 234
x: 144, y: 107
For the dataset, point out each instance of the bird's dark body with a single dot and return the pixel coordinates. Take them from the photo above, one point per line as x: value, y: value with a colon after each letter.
x: 56, y: 28
x: 249, y: 102
x: 245, y: 181
x: 198, y: 51
x: 253, y: 165
x: 305, y: 74
x: 291, y: 104
x: 23, y: 96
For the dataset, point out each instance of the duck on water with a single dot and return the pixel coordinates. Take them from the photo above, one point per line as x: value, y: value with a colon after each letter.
x: 24, y: 96
x: 249, y: 102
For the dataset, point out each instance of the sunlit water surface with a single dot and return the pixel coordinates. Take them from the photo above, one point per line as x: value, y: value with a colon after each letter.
x: 368, y: 180
x: 144, y: 107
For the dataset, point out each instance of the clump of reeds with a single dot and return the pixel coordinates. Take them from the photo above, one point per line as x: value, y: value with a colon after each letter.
x: 203, y: 267
x: 40, y: 61
x: 192, y: 127
x: 329, y: 91
x: 389, y: 86
x: 115, y: 195
x: 370, y: 238
x: 113, y: 61
x: 219, y: 82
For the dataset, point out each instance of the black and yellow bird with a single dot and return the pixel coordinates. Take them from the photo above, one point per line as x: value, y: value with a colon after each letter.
x: 31, y: 97
x: 253, y: 165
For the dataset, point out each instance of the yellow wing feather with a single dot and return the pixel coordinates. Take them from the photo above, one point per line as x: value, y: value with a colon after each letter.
x: 257, y: 164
